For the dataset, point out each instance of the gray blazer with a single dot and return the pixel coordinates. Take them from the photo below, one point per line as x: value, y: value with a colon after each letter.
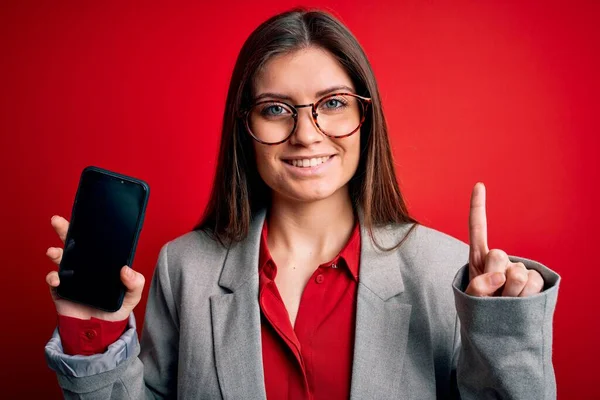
x: 418, y: 335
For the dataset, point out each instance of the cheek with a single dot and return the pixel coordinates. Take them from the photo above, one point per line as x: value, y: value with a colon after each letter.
x: 352, y: 156
x: 265, y: 163
x: 260, y: 158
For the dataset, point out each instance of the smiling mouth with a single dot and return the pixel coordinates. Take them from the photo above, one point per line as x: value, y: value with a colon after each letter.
x: 308, y: 162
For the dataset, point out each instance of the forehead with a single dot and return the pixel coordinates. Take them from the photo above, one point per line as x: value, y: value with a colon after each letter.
x: 301, y: 74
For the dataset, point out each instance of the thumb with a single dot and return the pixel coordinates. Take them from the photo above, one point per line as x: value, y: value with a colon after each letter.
x: 486, y: 284
x: 134, y: 283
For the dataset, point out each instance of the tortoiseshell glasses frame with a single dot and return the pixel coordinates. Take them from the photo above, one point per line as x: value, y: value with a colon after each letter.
x: 364, y: 104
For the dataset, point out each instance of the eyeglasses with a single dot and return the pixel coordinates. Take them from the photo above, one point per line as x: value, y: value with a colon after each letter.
x: 336, y: 115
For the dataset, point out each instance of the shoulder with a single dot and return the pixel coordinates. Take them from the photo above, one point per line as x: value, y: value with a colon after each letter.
x: 426, y: 255
x: 426, y: 244
x: 421, y: 243
x: 191, y: 246
x: 193, y: 256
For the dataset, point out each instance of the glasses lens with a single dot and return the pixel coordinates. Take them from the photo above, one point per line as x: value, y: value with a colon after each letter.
x: 339, y: 115
x: 271, y: 122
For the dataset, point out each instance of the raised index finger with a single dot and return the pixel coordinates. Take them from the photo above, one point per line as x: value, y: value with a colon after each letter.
x: 478, y: 224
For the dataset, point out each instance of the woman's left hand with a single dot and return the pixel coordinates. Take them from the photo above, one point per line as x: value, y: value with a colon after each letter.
x: 491, y: 273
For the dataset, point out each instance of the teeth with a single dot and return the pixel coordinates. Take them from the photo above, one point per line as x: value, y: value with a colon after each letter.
x: 308, y: 162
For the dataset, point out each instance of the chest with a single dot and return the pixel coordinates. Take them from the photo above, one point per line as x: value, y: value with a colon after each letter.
x: 303, y: 281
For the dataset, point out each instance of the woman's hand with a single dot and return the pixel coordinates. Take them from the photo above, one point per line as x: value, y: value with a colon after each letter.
x: 491, y: 273
x: 133, y: 281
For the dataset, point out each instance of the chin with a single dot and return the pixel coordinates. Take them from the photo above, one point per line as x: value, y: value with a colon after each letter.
x: 311, y: 194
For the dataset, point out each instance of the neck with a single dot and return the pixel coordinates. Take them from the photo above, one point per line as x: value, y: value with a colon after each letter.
x: 320, y: 228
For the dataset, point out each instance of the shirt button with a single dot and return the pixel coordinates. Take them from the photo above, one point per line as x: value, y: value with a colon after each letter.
x: 91, y: 334
x: 320, y: 278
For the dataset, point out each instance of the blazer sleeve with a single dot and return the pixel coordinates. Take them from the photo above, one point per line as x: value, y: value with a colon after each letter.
x: 123, y: 371
x: 503, y: 346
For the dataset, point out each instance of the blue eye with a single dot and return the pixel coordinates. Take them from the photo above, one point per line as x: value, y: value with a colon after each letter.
x: 275, y: 110
x: 335, y: 103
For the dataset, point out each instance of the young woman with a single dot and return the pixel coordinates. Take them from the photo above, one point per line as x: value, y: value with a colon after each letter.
x: 307, y: 278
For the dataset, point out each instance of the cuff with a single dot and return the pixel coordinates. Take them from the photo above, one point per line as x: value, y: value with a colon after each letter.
x: 87, y: 337
x: 505, y: 314
x: 81, y: 365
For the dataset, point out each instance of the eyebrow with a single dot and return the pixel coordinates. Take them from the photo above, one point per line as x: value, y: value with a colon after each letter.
x: 320, y: 93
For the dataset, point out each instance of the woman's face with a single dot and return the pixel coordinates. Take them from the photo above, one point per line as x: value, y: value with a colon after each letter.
x: 303, y: 77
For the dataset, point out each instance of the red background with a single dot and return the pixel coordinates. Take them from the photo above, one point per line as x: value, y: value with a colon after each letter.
x: 502, y: 93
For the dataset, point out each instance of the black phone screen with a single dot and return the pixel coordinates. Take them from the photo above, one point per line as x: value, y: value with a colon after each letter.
x: 105, y: 223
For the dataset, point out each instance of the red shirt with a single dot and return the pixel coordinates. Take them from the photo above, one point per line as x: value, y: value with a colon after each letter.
x: 313, y: 359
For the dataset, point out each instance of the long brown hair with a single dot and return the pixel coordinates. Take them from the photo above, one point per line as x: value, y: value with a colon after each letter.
x: 238, y: 191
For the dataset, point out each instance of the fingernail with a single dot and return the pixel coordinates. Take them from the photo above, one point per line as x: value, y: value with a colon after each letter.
x: 128, y: 272
x: 497, y: 278
x: 52, y: 219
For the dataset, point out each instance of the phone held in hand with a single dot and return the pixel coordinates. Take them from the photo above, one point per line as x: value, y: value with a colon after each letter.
x: 105, y: 225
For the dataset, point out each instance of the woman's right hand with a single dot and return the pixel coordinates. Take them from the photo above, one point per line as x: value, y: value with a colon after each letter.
x: 133, y: 281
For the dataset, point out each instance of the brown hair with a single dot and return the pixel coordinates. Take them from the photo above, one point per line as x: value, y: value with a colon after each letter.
x: 238, y: 191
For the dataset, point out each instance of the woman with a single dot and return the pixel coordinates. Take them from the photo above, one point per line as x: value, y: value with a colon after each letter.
x: 307, y: 278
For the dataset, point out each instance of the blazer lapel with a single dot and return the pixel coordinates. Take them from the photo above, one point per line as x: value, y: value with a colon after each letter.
x: 236, y: 320
x: 382, y: 321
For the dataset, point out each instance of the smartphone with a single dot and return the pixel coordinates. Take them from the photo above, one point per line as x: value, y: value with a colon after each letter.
x: 105, y: 225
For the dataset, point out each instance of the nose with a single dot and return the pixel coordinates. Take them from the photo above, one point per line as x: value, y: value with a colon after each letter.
x: 306, y: 132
